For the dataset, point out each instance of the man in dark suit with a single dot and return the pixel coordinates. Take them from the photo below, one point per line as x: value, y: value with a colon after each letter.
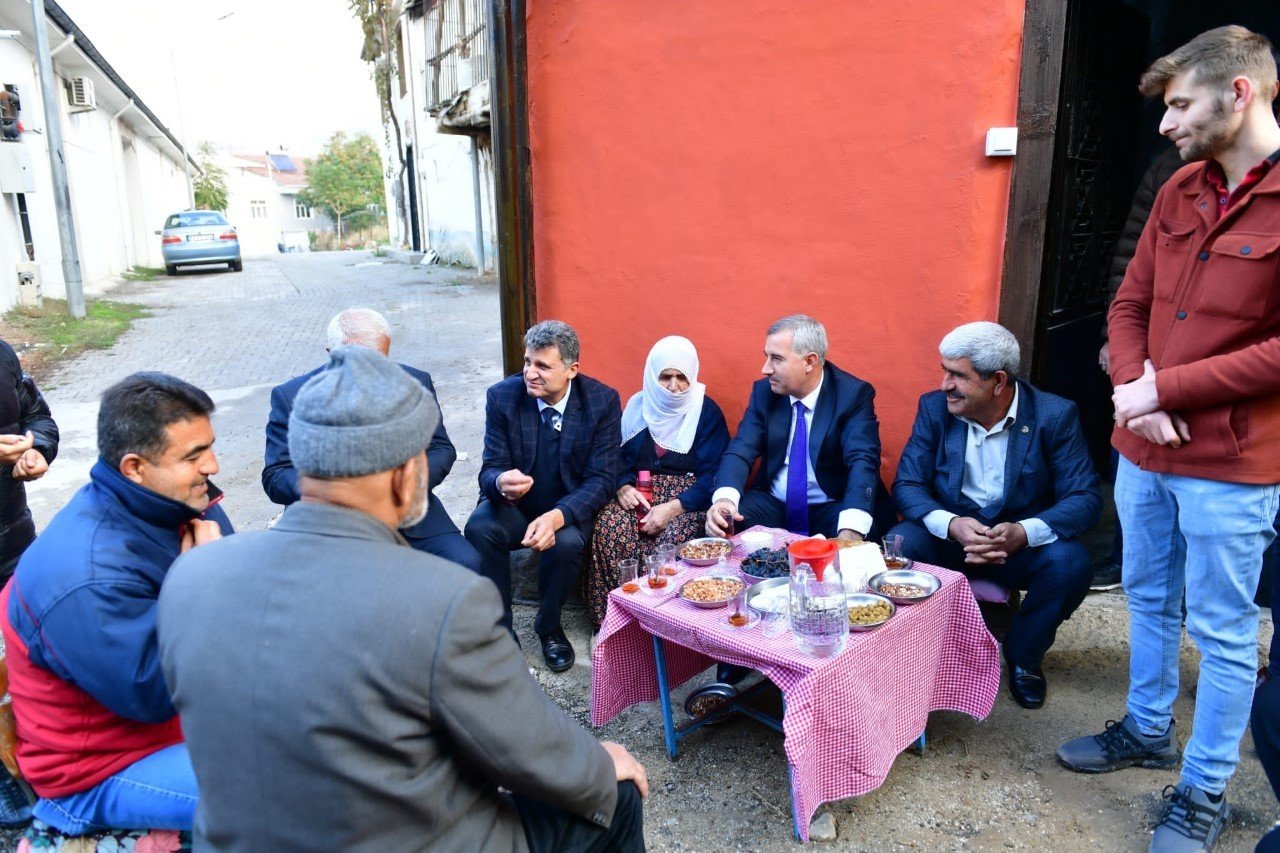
x: 996, y: 482
x: 551, y: 456
x: 436, y: 533
x: 838, y: 491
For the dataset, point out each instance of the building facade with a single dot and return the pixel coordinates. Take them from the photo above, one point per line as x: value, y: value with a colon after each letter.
x: 263, y: 203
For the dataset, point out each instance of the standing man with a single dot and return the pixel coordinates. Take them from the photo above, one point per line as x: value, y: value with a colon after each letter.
x: 437, y: 534
x: 838, y: 490
x: 1195, y: 361
x: 996, y: 482
x: 551, y: 456
x: 98, y: 737
x: 316, y: 725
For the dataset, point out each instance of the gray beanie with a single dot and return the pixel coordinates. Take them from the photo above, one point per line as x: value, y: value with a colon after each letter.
x: 360, y: 415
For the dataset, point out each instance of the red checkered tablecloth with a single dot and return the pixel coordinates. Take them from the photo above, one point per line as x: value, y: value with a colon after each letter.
x: 847, y: 717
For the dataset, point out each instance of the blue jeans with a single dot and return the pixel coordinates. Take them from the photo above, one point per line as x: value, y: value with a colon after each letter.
x: 156, y: 792
x: 1206, y: 537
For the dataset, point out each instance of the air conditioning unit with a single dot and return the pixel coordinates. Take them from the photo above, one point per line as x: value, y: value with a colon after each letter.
x: 80, y: 94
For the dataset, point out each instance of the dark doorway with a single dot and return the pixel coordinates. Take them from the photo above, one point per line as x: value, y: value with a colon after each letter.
x: 1107, y: 136
x: 411, y: 178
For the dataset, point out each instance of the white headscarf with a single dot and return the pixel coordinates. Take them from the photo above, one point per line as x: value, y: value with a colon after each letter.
x: 672, y: 419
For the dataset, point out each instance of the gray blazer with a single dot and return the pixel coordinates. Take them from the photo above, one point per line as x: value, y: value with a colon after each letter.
x: 341, y: 691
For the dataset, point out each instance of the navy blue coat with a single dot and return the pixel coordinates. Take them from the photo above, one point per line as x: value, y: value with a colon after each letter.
x: 589, y: 443
x: 280, y: 478
x: 1048, y: 473
x: 641, y: 454
x: 844, y: 443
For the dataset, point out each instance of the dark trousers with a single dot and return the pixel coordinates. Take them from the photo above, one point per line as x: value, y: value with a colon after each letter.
x: 1271, y: 569
x: 556, y: 831
x: 450, y: 546
x: 757, y: 507
x: 495, y: 530
x: 1265, y: 722
x: 1055, y: 577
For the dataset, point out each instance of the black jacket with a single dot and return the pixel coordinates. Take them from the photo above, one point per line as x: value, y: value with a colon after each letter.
x: 21, y: 409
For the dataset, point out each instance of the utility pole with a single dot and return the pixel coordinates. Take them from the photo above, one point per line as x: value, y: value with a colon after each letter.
x: 58, y: 164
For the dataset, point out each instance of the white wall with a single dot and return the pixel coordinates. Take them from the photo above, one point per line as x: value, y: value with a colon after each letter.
x: 260, y: 235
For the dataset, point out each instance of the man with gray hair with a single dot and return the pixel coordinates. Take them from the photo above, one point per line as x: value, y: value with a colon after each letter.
x: 552, y: 440
x: 436, y: 534
x: 804, y: 408
x: 340, y: 691
x: 996, y: 482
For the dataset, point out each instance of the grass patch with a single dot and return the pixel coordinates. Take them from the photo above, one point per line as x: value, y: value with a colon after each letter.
x: 143, y: 274
x: 46, y: 336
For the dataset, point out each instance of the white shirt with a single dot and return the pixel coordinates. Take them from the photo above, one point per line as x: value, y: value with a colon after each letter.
x: 985, y: 453
x: 850, y: 519
x: 559, y: 407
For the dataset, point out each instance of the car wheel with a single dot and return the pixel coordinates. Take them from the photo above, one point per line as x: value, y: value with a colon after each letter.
x: 237, y: 266
x: 170, y: 269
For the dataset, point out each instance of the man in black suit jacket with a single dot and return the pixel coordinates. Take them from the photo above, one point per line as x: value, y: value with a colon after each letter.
x: 839, y: 491
x: 436, y: 533
x: 551, y: 455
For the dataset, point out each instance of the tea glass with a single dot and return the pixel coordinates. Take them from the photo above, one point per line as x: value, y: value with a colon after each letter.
x: 627, y: 575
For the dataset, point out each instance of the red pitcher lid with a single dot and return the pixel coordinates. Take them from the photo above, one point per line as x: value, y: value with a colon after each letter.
x: 818, y: 553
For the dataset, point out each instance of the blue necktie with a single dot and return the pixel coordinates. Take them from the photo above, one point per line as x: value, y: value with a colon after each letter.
x: 798, y: 476
x: 551, y: 419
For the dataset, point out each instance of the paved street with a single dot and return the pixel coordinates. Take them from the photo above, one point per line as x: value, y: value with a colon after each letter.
x: 988, y: 785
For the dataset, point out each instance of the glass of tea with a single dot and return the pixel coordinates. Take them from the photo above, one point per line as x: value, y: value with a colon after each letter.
x: 893, y: 558
x: 739, y: 615
x: 657, y: 580
x: 627, y: 570
x: 668, y: 555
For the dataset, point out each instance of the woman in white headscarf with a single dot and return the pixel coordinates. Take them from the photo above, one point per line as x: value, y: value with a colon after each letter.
x: 673, y: 430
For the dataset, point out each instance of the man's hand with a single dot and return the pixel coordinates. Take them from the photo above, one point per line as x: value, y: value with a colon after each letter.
x: 514, y: 484
x: 975, y: 538
x: 850, y: 535
x: 199, y: 532
x: 629, y: 497
x: 660, y: 516
x: 13, y: 446
x: 1010, y: 537
x: 626, y: 766
x: 1160, y: 427
x: 541, y: 533
x: 30, y: 466
x: 1104, y: 357
x: 720, y: 517
x: 1138, y: 397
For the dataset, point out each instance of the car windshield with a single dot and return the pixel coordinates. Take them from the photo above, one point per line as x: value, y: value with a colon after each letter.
x: 195, y: 218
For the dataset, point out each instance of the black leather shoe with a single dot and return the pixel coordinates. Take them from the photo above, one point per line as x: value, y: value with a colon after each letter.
x: 557, y: 651
x: 1027, y: 686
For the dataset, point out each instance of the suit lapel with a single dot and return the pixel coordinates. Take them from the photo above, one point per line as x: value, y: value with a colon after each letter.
x: 568, y: 430
x: 1020, y: 432
x: 822, y: 414
x: 779, y: 425
x: 529, y: 421
x: 956, y: 430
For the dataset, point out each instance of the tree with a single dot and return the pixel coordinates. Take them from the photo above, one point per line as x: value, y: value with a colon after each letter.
x: 345, y: 178
x: 380, y: 24
x: 211, y: 185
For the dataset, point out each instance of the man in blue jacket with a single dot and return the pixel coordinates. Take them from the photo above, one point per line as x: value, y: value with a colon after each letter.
x: 996, y: 482
x: 98, y: 737
x: 436, y: 533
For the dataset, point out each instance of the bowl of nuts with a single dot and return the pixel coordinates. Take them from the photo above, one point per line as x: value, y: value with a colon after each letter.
x: 904, y: 586
x: 868, y: 610
x: 711, y: 591
x: 706, y: 551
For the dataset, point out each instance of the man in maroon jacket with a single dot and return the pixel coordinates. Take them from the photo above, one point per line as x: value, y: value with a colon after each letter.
x: 1195, y: 361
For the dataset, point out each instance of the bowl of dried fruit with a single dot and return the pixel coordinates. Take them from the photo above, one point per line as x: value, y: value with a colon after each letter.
x: 766, y: 564
x: 868, y: 610
x: 711, y: 591
x: 706, y: 551
x: 904, y: 586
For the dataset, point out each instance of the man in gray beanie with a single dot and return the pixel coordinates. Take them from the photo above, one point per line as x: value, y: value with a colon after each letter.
x: 340, y: 690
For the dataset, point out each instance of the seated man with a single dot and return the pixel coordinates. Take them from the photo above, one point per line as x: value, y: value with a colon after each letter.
x: 316, y: 725
x: 98, y: 738
x: 996, y: 482
x: 551, y: 455
x: 838, y: 491
x: 437, y: 534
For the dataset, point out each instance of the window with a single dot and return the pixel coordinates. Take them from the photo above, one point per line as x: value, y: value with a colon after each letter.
x: 195, y: 219
x: 258, y: 209
x: 301, y: 211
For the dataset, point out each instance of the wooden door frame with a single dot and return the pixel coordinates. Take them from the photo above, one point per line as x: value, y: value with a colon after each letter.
x: 1039, y: 88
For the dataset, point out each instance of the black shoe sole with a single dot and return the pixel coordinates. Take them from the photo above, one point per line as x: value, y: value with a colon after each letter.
x: 1148, y: 763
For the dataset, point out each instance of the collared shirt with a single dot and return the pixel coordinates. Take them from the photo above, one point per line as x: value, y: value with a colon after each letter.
x: 560, y: 406
x: 1217, y: 179
x: 985, y: 452
x: 850, y: 519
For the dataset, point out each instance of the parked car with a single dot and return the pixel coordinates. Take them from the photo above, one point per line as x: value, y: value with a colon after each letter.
x: 294, y: 241
x: 194, y: 237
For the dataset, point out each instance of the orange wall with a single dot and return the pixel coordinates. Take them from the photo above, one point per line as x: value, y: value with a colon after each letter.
x: 703, y: 168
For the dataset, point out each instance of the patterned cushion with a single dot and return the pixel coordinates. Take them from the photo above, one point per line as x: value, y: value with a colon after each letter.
x: 41, y: 837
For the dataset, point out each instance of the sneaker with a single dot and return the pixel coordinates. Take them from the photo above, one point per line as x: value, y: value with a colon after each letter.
x: 15, y: 803
x: 1120, y: 745
x: 1191, y: 821
x: 1106, y: 575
